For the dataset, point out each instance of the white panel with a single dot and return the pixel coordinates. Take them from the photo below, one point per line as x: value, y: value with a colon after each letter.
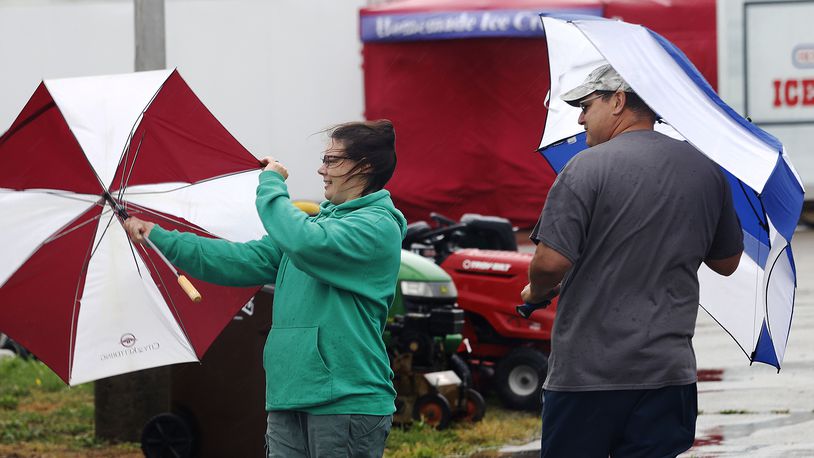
x: 101, y: 111
x: 571, y: 58
x: 224, y: 206
x: 29, y: 218
x: 124, y: 324
x: 780, y: 303
x: 779, y: 284
x: 735, y: 301
x: 658, y: 79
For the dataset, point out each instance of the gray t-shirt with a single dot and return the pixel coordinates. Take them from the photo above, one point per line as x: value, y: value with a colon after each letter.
x: 636, y: 216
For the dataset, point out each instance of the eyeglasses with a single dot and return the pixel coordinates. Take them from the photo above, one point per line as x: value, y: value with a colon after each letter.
x: 330, y: 160
x: 584, y: 107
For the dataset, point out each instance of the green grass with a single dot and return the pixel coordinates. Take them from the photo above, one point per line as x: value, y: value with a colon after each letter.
x: 498, y: 428
x: 40, y: 416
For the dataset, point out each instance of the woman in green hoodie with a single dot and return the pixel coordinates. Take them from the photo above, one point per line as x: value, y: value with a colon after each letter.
x: 329, y: 388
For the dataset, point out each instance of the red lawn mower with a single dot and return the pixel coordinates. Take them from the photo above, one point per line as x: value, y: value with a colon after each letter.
x: 507, y: 352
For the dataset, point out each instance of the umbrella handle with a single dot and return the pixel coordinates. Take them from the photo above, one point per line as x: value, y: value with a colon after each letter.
x: 193, y: 293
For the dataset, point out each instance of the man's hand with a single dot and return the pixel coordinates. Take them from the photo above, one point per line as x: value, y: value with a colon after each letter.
x: 274, y: 166
x: 534, y: 298
x: 137, y: 229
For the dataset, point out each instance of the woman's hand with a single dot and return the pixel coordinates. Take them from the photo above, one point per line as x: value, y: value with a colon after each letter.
x: 274, y: 166
x: 137, y: 229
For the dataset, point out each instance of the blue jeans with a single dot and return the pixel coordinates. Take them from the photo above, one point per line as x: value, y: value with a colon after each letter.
x: 292, y: 434
x: 620, y: 424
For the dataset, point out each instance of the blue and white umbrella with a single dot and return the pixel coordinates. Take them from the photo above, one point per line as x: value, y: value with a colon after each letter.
x: 755, y: 304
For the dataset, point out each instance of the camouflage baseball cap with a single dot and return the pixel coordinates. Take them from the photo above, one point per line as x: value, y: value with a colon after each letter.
x: 603, y: 78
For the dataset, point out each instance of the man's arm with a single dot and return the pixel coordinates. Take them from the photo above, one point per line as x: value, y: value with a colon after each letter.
x: 546, y: 271
x: 725, y: 266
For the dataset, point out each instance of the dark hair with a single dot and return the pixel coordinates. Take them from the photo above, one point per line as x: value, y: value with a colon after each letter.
x: 372, y: 145
x: 634, y: 103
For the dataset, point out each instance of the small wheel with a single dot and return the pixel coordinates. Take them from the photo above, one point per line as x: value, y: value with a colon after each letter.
x: 167, y: 435
x: 519, y: 376
x: 474, y: 407
x: 433, y: 409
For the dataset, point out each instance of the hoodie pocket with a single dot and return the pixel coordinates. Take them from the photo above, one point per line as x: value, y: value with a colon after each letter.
x: 295, y: 370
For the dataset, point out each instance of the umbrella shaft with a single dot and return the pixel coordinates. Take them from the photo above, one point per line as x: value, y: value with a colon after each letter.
x: 161, y: 255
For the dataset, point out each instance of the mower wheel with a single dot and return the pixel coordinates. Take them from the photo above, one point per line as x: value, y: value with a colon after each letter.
x: 474, y: 407
x: 167, y: 435
x: 433, y: 409
x: 519, y: 376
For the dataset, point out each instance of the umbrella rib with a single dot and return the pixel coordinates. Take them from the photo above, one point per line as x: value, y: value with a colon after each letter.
x: 727, y: 331
x: 62, y: 234
x: 133, y: 252
x: 763, y: 225
x: 82, y: 274
x: 62, y: 194
x: 172, y: 303
x: 26, y: 121
x: 99, y: 242
x: 192, y: 184
x: 174, y: 221
x: 125, y: 181
x: 126, y: 153
x: 137, y: 121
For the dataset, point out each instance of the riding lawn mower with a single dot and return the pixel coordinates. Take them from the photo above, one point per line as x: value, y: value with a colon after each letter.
x: 506, y: 351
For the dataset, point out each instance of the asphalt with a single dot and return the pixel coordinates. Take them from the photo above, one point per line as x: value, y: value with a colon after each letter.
x: 755, y: 410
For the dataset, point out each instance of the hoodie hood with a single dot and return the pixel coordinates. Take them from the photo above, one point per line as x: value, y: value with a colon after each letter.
x: 380, y: 198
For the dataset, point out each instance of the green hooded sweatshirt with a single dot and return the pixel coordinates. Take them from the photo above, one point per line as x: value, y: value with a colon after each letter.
x: 335, y: 276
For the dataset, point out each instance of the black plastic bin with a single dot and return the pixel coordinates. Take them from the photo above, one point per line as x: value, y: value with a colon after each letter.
x: 217, y: 407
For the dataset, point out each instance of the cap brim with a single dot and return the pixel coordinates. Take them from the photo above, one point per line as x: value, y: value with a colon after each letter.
x: 573, y: 96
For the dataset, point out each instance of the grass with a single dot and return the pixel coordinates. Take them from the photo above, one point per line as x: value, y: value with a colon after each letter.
x: 483, y: 439
x: 41, y: 417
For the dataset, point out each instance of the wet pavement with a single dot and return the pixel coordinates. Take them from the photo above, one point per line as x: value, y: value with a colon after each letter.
x: 752, y: 411
x: 756, y: 411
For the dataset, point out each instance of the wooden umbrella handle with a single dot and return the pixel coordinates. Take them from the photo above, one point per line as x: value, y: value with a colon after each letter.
x: 189, y: 289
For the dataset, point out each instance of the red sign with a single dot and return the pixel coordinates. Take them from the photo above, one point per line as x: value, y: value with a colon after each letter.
x: 793, y: 92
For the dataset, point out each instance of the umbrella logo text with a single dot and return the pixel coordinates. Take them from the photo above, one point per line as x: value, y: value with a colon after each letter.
x: 127, y: 340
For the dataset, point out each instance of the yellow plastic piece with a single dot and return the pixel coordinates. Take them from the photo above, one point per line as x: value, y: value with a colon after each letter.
x: 309, y: 207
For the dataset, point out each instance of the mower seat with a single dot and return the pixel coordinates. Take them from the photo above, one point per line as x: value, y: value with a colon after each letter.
x: 488, y: 233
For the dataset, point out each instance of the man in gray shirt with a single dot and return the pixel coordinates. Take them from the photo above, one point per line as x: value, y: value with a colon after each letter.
x: 625, y: 228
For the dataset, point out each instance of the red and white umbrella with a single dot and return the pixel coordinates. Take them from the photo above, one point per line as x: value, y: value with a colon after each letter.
x: 73, y: 289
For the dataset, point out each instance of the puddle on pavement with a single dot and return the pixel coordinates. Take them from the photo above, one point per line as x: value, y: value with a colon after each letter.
x: 710, y: 375
x: 717, y: 434
x: 714, y: 436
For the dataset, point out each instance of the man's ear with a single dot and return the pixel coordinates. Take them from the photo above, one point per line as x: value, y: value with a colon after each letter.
x: 619, y: 99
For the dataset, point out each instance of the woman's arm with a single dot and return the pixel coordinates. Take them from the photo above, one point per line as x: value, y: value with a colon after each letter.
x: 334, y: 250
x: 212, y: 260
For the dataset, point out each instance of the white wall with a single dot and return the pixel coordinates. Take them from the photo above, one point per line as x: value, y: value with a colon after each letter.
x: 41, y: 39
x: 775, y: 36
x: 273, y: 72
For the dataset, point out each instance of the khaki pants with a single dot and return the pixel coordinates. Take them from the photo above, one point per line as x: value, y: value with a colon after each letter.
x: 292, y: 434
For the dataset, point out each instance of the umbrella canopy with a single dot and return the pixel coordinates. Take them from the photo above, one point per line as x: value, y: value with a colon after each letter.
x: 755, y: 304
x: 73, y: 290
